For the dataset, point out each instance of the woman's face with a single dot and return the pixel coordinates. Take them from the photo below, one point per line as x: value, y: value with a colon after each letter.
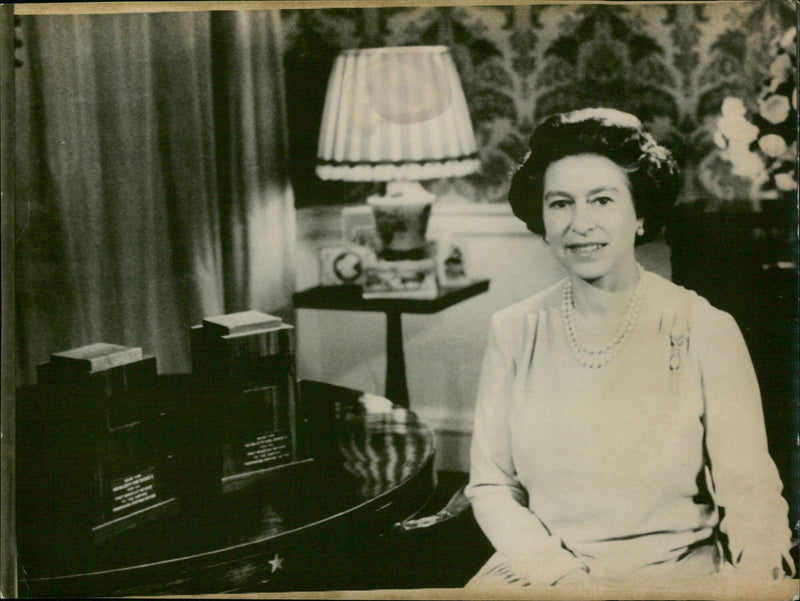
x: 589, y: 218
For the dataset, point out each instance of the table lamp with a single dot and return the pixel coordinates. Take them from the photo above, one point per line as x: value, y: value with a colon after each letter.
x: 396, y: 115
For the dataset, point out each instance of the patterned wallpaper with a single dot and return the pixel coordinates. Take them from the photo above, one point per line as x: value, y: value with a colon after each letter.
x: 670, y: 64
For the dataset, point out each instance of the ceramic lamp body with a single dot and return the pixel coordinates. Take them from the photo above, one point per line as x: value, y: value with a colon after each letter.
x: 401, y: 223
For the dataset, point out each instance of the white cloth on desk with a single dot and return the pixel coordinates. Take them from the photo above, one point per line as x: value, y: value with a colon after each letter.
x: 603, y: 469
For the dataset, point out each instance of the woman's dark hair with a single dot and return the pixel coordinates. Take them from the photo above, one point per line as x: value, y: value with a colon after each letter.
x: 652, y: 173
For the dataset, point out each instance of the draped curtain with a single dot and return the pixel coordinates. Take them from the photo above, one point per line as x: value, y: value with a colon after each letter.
x: 151, y: 179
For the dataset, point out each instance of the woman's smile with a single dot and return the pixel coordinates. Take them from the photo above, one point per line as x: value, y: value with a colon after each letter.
x: 585, y: 249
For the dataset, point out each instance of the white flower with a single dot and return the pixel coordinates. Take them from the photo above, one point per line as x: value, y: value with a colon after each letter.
x: 732, y: 107
x: 774, y: 109
x: 787, y: 41
x: 785, y: 181
x: 791, y: 152
x: 772, y: 145
x: 780, y: 68
x: 746, y: 163
x: 737, y: 128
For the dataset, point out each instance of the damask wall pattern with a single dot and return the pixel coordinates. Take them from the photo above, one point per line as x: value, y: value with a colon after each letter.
x: 670, y: 64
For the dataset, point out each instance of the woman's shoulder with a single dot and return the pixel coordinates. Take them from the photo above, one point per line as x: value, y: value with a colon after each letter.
x: 674, y: 297
x: 511, y: 316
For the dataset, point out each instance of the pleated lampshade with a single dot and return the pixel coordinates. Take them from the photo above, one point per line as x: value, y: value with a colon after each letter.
x: 395, y: 113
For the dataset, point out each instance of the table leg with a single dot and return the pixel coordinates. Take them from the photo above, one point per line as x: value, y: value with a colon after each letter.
x: 396, y: 388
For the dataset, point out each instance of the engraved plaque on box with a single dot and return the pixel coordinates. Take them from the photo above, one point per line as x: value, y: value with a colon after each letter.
x: 131, y: 491
x: 258, y: 434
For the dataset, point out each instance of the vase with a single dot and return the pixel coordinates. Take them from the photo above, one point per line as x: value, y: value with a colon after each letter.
x: 401, y: 224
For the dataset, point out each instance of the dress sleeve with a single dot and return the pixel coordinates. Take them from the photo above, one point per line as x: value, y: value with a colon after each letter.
x: 746, y: 484
x: 499, y: 501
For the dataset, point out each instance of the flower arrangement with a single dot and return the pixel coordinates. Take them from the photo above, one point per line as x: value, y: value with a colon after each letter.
x: 756, y: 153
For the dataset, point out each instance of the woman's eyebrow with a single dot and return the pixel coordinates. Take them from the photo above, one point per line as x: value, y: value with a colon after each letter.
x: 590, y: 193
x: 603, y: 189
x: 556, y: 193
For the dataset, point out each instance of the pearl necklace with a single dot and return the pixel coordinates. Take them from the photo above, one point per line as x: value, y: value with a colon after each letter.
x: 596, y: 358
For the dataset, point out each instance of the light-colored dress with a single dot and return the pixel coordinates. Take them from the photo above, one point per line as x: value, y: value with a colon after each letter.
x: 625, y: 470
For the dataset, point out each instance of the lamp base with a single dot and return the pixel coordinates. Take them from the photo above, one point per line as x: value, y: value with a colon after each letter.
x: 403, y: 278
x: 414, y: 254
x: 401, y: 218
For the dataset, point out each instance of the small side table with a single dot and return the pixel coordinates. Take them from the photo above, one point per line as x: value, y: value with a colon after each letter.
x: 348, y: 298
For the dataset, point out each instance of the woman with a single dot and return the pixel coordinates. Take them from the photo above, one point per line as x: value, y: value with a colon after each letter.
x: 618, y: 431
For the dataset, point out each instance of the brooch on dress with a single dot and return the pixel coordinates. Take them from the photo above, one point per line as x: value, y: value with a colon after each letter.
x: 677, y: 342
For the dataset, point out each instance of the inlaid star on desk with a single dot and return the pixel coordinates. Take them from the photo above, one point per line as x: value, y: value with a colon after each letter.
x: 276, y: 562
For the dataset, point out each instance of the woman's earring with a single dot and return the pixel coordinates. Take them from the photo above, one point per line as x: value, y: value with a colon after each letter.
x: 640, y: 230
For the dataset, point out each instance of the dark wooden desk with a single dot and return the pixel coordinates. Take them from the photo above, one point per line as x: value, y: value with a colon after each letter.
x: 348, y: 298
x: 311, y: 531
